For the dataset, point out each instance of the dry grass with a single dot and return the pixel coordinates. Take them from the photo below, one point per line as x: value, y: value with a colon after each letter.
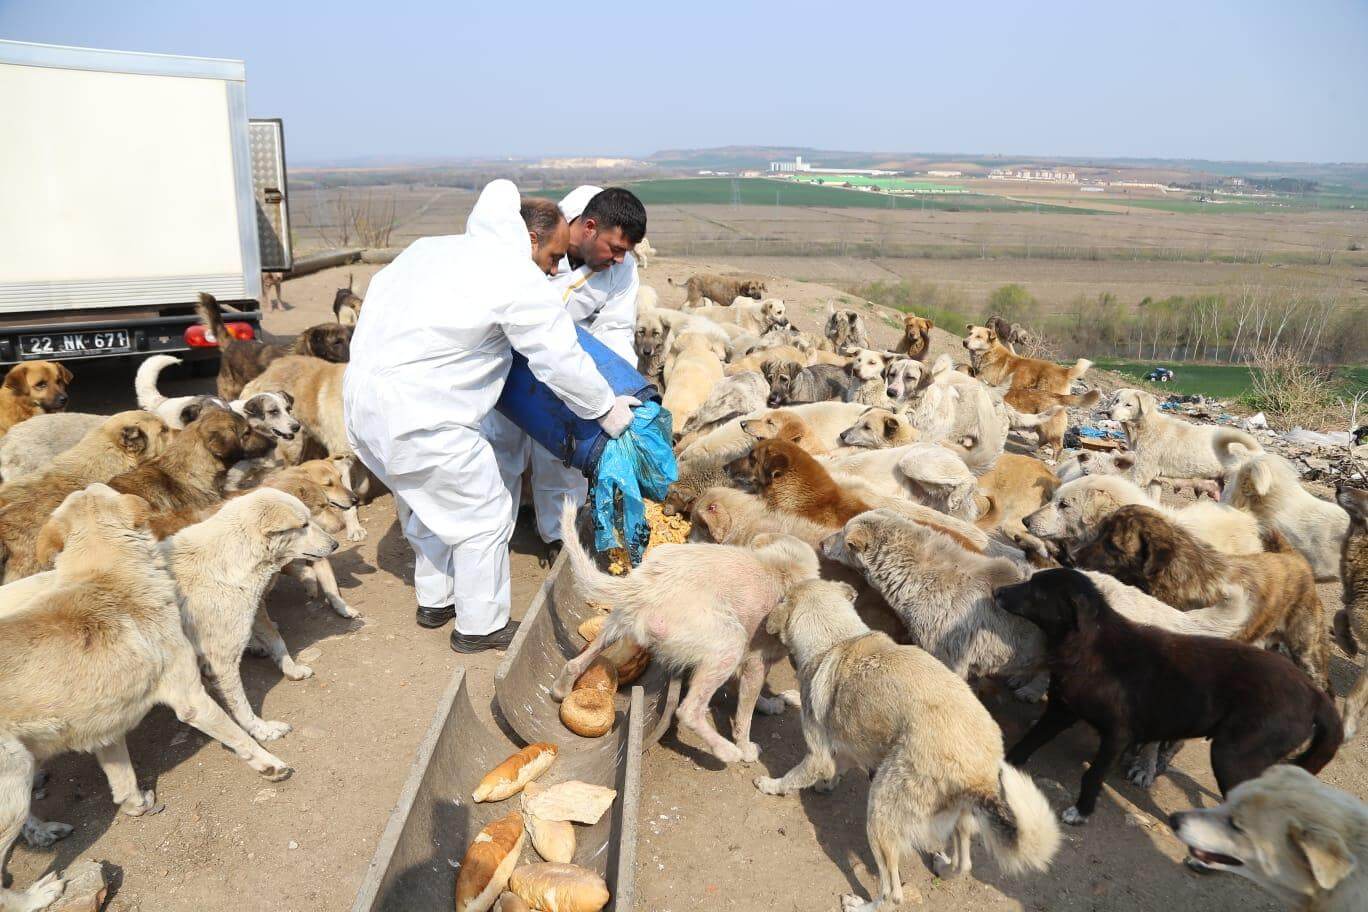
x: 1290, y: 391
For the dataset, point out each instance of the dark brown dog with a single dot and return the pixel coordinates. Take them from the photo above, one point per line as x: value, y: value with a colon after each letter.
x: 792, y: 481
x: 1274, y: 590
x: 347, y: 304
x: 32, y: 388
x: 916, y: 337
x: 190, y: 474
x: 242, y: 361
x: 721, y: 289
x: 1137, y: 684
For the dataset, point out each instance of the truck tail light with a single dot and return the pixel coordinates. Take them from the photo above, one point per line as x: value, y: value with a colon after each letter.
x: 195, y: 335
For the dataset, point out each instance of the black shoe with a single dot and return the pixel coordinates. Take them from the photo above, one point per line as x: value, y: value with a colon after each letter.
x: 435, y: 617
x: 499, y: 639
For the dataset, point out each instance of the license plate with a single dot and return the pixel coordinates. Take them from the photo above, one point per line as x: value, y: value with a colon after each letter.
x: 74, y: 345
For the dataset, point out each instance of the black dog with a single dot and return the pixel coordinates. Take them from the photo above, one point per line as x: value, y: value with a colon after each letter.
x: 1136, y: 684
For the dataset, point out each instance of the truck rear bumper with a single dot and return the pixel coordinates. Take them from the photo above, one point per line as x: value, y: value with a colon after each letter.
x: 78, y: 341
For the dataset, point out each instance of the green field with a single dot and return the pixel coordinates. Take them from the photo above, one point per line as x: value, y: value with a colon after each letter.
x: 1222, y: 381
x: 754, y: 191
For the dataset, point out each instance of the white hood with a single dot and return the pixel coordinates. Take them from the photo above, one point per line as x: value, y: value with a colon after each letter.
x: 572, y: 207
x: 496, y: 217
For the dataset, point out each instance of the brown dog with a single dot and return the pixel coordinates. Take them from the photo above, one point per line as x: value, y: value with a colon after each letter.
x: 721, y: 289
x: 1273, y: 592
x: 122, y: 442
x: 32, y: 388
x: 789, y: 479
x: 995, y: 365
x: 916, y: 337
x: 1034, y: 401
x: 242, y: 361
x: 191, y: 473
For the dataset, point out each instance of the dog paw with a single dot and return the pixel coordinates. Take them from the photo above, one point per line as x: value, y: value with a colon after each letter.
x: 296, y: 672
x: 343, y: 609
x: 729, y: 753
x: 269, y: 731
x: 40, y: 834
x: 273, y: 768
x: 142, y: 804
x: 750, y: 751
x: 1141, y: 778
x: 356, y: 534
x: 1033, y: 692
x: 944, y: 867
x: 770, y: 706
x: 769, y: 786
x: 41, y: 895
x: 256, y: 649
x: 827, y: 786
x: 853, y: 902
x: 1073, y: 817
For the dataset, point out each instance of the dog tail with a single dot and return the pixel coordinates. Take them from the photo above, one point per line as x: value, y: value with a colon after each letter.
x: 1027, y: 420
x: 1224, y: 438
x: 1080, y: 368
x: 1017, y: 823
x: 145, y: 381
x: 212, y: 317
x: 1326, y: 737
x: 1274, y: 542
x: 592, y: 584
x: 1087, y: 400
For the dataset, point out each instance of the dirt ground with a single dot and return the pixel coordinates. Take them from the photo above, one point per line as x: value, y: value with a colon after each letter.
x: 228, y: 840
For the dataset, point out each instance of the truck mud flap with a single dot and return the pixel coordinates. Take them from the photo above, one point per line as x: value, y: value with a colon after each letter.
x: 415, y: 864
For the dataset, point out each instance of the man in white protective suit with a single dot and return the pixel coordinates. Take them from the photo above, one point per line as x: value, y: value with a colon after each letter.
x: 597, y: 282
x: 429, y: 359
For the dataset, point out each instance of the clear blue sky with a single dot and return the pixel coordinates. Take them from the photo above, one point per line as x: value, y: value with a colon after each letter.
x: 1248, y: 80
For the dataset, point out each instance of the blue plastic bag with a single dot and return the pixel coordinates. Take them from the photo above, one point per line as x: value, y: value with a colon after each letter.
x: 640, y: 464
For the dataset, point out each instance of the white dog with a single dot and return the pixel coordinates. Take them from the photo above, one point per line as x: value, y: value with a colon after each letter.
x: 1168, y: 446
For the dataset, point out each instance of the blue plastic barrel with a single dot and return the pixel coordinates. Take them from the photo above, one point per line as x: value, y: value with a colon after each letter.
x: 532, y: 406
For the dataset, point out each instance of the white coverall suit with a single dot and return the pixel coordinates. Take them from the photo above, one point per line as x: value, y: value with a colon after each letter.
x: 604, y: 304
x: 428, y: 361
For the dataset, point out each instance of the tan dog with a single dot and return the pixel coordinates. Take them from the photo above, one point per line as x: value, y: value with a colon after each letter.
x: 916, y: 338
x: 124, y: 441
x: 1035, y: 402
x: 190, y: 475
x: 1351, y: 623
x: 880, y: 428
x: 995, y: 365
x: 1015, y: 486
x: 1297, y: 837
x: 1273, y: 591
x: 722, y: 289
x: 85, y: 660
x: 692, y: 367
x: 32, y: 388
x: 757, y: 360
x: 222, y: 568
x: 934, y: 754
x: 698, y: 607
x: 783, y: 424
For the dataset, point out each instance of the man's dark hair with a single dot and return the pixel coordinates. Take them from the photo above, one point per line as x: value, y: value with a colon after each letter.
x: 617, y: 207
x: 540, y: 216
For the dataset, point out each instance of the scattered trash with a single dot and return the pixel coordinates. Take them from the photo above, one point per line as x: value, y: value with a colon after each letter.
x: 1258, y: 422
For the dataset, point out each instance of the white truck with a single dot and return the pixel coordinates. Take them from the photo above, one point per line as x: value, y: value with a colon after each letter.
x: 130, y: 183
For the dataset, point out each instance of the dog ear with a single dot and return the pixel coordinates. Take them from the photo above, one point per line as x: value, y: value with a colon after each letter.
x: 776, y: 464
x: 278, y: 517
x: 890, y: 426
x: 857, y: 538
x: 133, y: 439
x: 1325, y: 854
x: 1122, y: 461
x: 136, y: 511
x: 63, y: 375
x: 16, y: 381
x: 253, y: 408
x: 777, y: 619
x: 222, y: 442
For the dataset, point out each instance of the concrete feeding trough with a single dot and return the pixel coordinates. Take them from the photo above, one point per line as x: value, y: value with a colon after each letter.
x: 415, y: 863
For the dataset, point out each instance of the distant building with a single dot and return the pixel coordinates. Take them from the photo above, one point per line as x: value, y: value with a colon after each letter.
x: 1040, y: 174
x: 944, y: 173
x: 800, y: 166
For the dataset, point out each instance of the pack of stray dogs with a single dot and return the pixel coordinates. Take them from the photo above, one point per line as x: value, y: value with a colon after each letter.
x: 136, y: 550
x: 858, y: 511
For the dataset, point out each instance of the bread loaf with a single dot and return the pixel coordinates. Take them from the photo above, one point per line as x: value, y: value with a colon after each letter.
x: 600, y: 675
x: 509, y: 777
x: 554, y: 840
x: 581, y: 802
x: 488, y: 862
x: 591, y: 628
x: 551, y: 887
x: 629, y: 659
x: 588, y: 713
